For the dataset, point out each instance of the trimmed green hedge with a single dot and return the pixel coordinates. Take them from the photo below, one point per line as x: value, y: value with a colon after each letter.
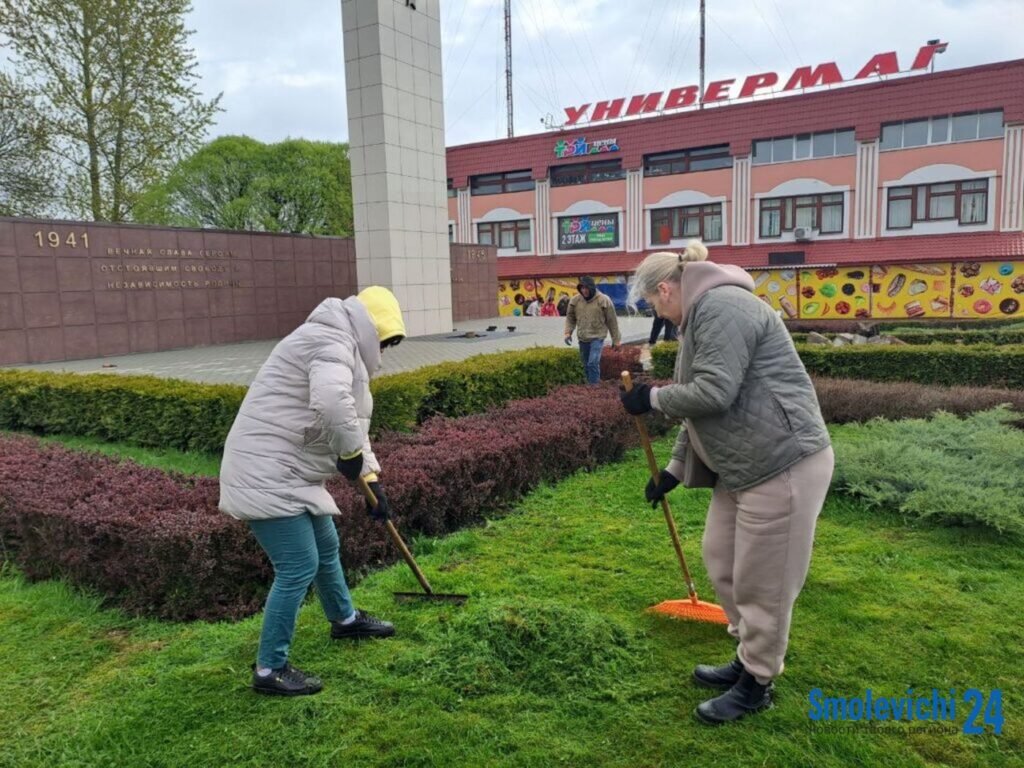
x: 945, y: 324
x: 142, y: 410
x: 663, y: 358
x: 977, y: 365
x: 946, y: 336
x: 148, y: 411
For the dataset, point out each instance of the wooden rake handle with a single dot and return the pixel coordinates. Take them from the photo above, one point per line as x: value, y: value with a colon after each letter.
x: 397, y: 538
x: 652, y: 463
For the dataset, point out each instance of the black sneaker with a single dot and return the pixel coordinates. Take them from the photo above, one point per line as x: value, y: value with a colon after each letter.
x: 286, y: 681
x: 364, y: 626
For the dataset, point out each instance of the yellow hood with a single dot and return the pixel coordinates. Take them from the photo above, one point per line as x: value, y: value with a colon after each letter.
x: 384, y: 311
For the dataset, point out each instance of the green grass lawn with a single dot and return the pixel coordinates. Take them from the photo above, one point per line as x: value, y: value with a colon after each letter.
x: 553, y: 661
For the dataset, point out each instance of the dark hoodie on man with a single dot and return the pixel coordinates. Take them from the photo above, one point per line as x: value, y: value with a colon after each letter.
x: 592, y: 317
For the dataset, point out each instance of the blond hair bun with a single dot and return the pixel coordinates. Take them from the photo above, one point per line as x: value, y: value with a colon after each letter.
x: 695, y: 251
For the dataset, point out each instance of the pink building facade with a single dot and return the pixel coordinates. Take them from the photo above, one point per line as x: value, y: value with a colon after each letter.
x: 804, y: 191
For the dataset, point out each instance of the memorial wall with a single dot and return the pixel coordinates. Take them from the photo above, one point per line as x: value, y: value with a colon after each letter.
x: 72, y: 290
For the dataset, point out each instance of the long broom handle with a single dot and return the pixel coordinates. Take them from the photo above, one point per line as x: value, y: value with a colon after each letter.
x: 397, y: 538
x: 652, y: 463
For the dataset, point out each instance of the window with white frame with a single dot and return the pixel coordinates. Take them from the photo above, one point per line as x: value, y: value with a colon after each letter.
x: 802, y: 146
x: 963, y: 201
x: 701, y: 221
x: 942, y: 129
x: 505, y: 234
x: 783, y: 214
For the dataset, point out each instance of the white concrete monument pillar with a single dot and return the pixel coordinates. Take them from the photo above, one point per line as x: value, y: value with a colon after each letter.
x: 396, y: 145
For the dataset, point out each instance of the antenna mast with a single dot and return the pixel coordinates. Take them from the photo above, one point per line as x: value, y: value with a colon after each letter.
x: 508, y: 64
x: 700, y: 96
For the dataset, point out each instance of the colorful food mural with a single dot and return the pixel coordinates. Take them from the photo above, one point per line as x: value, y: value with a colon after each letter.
x: 910, y: 290
x: 836, y: 293
x: 968, y: 289
x: 552, y: 294
x: 777, y: 287
x: 990, y: 289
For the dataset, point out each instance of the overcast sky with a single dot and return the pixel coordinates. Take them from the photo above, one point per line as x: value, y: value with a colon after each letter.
x: 280, y: 64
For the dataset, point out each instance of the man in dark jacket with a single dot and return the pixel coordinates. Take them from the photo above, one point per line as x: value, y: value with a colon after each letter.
x: 592, y: 315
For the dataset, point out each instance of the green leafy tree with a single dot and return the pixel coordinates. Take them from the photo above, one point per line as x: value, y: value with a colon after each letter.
x: 26, y: 180
x: 236, y: 182
x: 116, y: 86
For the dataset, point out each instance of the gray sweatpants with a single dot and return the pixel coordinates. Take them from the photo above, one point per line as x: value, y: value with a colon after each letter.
x: 757, y: 548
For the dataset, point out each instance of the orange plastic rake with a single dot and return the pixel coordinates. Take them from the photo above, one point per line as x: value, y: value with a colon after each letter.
x: 693, y: 608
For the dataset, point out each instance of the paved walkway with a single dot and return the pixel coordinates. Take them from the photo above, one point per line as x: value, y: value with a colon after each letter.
x: 238, y: 363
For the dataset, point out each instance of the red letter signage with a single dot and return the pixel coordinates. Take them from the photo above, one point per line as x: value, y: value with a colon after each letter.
x: 802, y: 78
x: 607, y: 110
x: 681, y: 97
x: 718, y: 90
x: 639, y: 105
x: 823, y: 74
x: 752, y: 83
x: 925, y: 55
x: 575, y: 113
x: 880, y: 64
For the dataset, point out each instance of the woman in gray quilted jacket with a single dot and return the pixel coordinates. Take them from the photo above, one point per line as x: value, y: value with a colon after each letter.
x: 753, y: 431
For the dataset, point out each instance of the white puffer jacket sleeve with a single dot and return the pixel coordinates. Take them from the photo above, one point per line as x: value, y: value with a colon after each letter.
x: 330, y: 396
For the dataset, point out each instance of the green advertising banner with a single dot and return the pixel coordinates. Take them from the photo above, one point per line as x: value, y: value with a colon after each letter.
x: 587, y: 232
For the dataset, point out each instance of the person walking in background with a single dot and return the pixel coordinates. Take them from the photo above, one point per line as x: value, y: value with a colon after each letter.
x: 659, y: 323
x: 752, y: 430
x: 563, y: 304
x: 592, y: 315
x: 305, y: 418
x: 533, y: 309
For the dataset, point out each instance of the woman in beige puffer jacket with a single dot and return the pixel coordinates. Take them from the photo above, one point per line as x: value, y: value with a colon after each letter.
x: 305, y: 418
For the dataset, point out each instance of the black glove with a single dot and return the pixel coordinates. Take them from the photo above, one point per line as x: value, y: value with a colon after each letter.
x: 655, y: 492
x: 352, y: 467
x: 382, y: 511
x: 636, y: 401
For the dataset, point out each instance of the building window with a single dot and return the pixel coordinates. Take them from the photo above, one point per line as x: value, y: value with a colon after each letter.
x: 783, y: 214
x: 702, y: 221
x: 586, y: 173
x: 451, y: 189
x: 966, y: 126
x: 963, y: 201
x: 505, y: 234
x: 784, y: 149
x: 688, y: 161
x: 451, y: 232
x: 496, y: 183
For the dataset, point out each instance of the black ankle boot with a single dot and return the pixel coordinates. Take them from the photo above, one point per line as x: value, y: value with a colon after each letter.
x: 721, y: 678
x: 744, y: 698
